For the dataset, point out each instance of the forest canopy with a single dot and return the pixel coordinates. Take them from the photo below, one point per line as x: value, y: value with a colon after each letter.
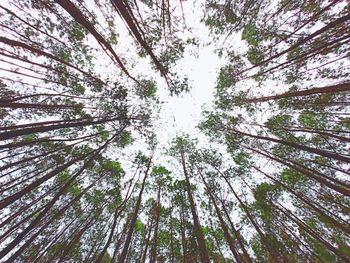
x: 85, y: 177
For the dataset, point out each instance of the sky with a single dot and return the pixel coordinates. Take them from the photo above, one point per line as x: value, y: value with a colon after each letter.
x: 182, y: 113
x: 178, y: 114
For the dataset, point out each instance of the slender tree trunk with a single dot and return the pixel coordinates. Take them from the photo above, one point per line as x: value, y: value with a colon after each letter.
x: 14, y: 197
x: 75, y: 240
x: 117, y: 213
x: 237, y: 234
x: 120, y: 239
x: 155, y: 236
x: 171, y: 237
x: 21, y: 211
x: 223, y: 225
x: 25, y: 131
x: 327, y: 89
x: 338, y: 186
x: 21, y: 105
x: 343, y: 226
x: 14, y: 43
x: 311, y: 232
x: 197, y: 226
x: 48, y: 139
x: 304, y: 56
x: 126, y: 14
x: 304, y: 40
x: 13, y: 14
x: 330, y: 155
x: 38, y: 218
x: 266, y: 243
x: 79, y: 17
x: 145, y: 241
x: 134, y: 216
x: 183, y: 233
x: 53, y: 241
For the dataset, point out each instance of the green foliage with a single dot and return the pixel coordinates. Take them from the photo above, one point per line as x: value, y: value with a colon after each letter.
x: 279, y: 121
x: 63, y: 177
x: 77, y: 33
x: 105, y: 259
x: 324, y: 99
x: 225, y: 78
x: 30, y: 137
x: 254, y: 55
x: 76, y: 94
x: 311, y: 119
x: 74, y: 190
x: 242, y: 160
x: 250, y: 34
x: 205, y: 230
x: 264, y: 192
x: 78, y: 89
x: 139, y: 226
x: 292, y: 177
x: 215, y: 24
x: 322, y: 251
x: 148, y: 89
x: 114, y: 167
x: 160, y: 170
x: 172, y: 54
x: 57, y: 249
x: 124, y: 139
x: 182, y: 143
x: 178, y: 85
x: 104, y: 134
x: 258, y: 249
x: 64, y: 55
x: 96, y: 197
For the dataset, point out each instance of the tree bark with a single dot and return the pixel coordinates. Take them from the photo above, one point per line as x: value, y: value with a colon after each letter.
x: 197, y: 226
x: 134, y: 216
x: 322, y: 90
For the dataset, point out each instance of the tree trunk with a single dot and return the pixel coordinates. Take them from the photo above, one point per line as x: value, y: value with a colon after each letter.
x: 134, y: 216
x: 155, y: 236
x: 224, y: 227
x: 25, y: 131
x: 296, y: 146
x: 15, y: 43
x: 197, y: 226
x: 343, y: 226
x: 79, y: 17
x: 338, y: 187
x: 328, y: 89
x: 274, y: 257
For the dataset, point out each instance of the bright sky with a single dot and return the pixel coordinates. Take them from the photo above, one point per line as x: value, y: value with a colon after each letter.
x: 182, y: 113
x: 178, y: 114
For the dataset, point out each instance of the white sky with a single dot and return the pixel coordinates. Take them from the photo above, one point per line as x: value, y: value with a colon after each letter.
x: 179, y: 114
x: 182, y: 113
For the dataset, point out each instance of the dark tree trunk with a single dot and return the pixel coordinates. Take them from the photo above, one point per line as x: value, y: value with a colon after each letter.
x: 197, y: 226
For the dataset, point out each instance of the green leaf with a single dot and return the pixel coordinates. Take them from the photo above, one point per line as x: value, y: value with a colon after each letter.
x: 139, y: 226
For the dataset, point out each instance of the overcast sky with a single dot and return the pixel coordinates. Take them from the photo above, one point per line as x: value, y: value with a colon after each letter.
x: 181, y: 114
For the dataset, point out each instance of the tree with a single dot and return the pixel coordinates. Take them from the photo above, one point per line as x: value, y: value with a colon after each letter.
x: 83, y: 177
